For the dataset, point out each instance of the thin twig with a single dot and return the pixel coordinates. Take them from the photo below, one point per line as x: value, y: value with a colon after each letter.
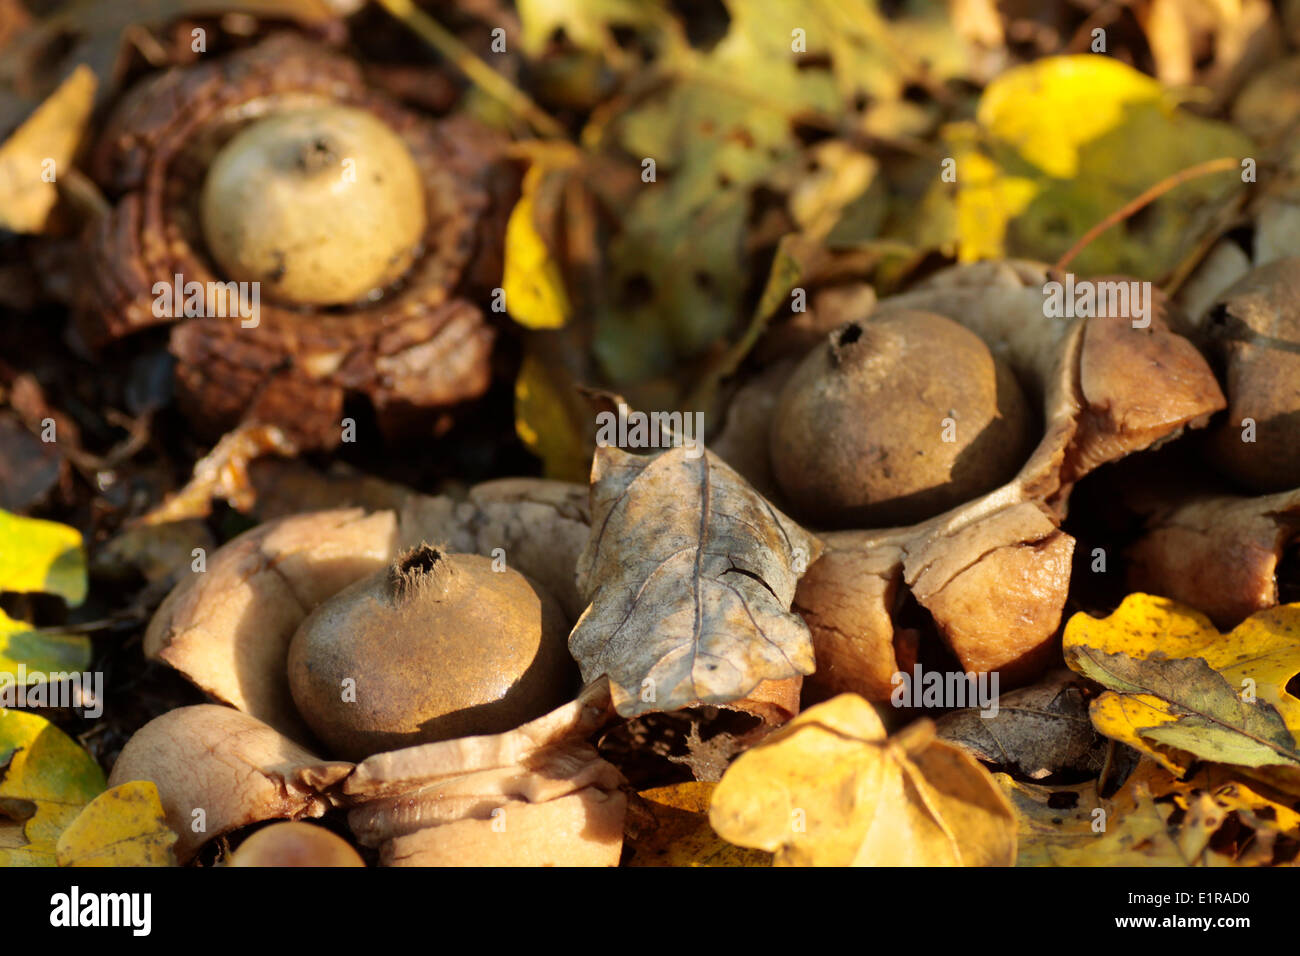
x: 1155, y: 192
x: 1105, y: 767
x: 468, y: 62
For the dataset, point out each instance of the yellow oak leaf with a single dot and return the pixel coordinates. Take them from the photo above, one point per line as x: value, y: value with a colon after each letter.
x: 124, y: 826
x: 1178, y: 690
x: 831, y: 788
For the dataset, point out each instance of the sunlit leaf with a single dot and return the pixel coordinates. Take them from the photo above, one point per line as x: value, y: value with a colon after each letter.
x: 45, y: 781
x: 41, y: 556
x: 1178, y: 689
x: 1059, y: 144
x: 533, y: 283
x: 832, y: 789
x: 40, y: 150
x: 124, y: 826
x: 37, y: 652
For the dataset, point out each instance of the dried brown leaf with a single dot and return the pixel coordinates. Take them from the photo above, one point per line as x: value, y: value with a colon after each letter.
x: 1036, y: 730
x: 40, y: 150
x: 690, y: 574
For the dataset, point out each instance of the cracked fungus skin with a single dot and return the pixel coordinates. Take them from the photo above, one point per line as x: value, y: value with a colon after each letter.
x: 233, y: 767
x: 414, y: 350
x: 438, y: 646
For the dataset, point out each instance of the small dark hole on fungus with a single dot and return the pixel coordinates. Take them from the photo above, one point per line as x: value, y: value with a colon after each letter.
x: 849, y: 334
x: 421, y: 567
x: 421, y: 560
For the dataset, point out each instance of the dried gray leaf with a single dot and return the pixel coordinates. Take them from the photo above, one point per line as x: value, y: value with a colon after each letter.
x: 690, y: 574
x: 1038, y: 730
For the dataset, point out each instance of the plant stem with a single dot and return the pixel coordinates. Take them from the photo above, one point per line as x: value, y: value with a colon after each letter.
x: 1155, y: 192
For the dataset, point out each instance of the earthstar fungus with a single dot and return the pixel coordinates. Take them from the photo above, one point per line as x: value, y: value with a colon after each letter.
x: 994, y: 572
x: 337, y: 161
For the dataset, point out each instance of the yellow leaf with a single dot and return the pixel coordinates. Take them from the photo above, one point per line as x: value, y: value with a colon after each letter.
x: 831, y: 789
x: 1051, y: 818
x: 545, y: 424
x: 682, y: 836
x: 40, y: 654
x: 1087, y: 96
x: 40, y: 150
x: 1141, y: 837
x: 41, y: 556
x: 1179, y: 689
x: 1057, y: 145
x: 533, y: 284
x: 1155, y: 820
x: 586, y: 25
x: 45, y: 780
x: 124, y: 826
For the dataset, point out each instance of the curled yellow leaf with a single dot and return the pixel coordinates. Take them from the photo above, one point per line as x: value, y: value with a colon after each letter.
x: 533, y: 284
x: 832, y: 789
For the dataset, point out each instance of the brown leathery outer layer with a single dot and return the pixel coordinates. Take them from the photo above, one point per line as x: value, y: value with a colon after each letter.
x: 1255, y: 329
x: 415, y: 348
x: 994, y: 572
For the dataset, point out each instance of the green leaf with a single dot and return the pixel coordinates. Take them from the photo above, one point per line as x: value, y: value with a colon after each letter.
x: 720, y: 127
x: 1059, y: 144
x: 1180, y: 690
x: 41, y: 556
x: 1185, y: 704
x: 39, y: 653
